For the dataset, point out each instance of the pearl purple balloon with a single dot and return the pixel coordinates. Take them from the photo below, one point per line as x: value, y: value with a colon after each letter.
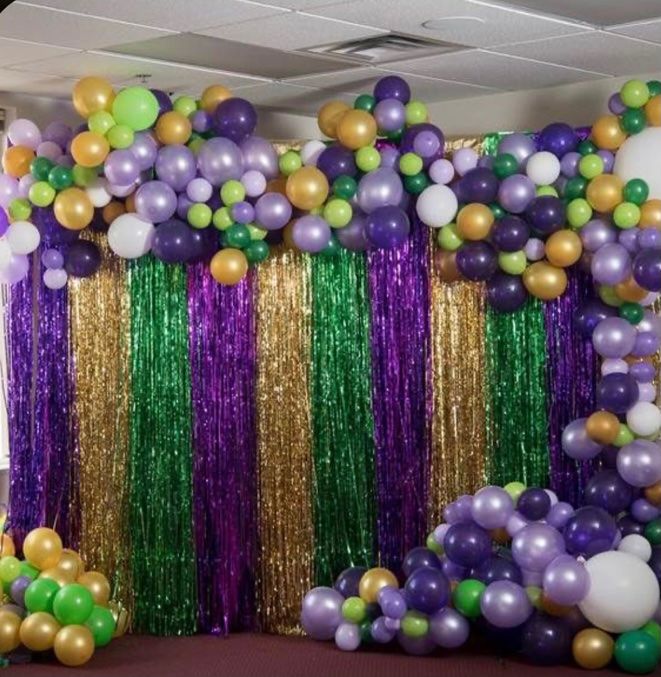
x: 611, y: 264
x: 260, y: 155
x: 608, y: 490
x: 199, y: 190
x: 58, y: 132
x: 649, y: 238
x: 589, y: 531
x: 392, y: 87
x: 608, y: 160
x: 426, y: 144
x: 559, y: 514
x: 273, y: 211
x: 569, y: 164
x: 17, y: 589
x: 254, y: 182
x: 49, y: 149
x: 52, y: 259
x: 219, y: 160
x: 419, y: 557
x: 646, y: 343
x: 387, y: 227
x: 617, y: 393
x: 629, y: 239
x: 491, y: 507
x: 505, y: 604
x: 379, y: 188
x: 477, y: 261
x: 506, y: 293
x: 184, y: 203
x: 536, y: 545
x: 176, y: 165
x: 389, y: 114
x: 121, y: 167
x: 408, y: 139
x: 448, y: 628
x: 389, y: 157
x: 311, y: 233
x: 155, y: 201
x: 639, y: 463
x: 642, y: 371
x: 614, y: 337
x: 643, y: 511
x: 467, y: 544
x: 597, y: 233
x: 441, y: 171
x: 243, y: 212
x: 235, y: 119
x: 558, y: 138
x: 353, y: 236
x: 8, y: 190
x: 24, y: 184
x: 534, y: 249
x: 515, y: 193
x: 321, y: 613
x: 521, y: 146
x: 145, y: 150
x: 566, y: 581
x: 201, y: 121
x: 464, y: 160
x: 615, y: 104
x: 380, y: 631
x: 392, y: 602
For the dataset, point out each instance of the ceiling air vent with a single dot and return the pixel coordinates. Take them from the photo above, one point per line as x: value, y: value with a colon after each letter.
x: 386, y: 48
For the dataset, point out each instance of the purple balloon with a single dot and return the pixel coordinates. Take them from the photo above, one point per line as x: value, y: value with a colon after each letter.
x: 204, y: 244
x: 58, y: 132
x: 392, y: 87
x: 464, y: 160
x: 643, y: 372
x: 243, y: 212
x: 534, y: 504
x: 515, y: 193
x: 646, y: 344
x: 260, y: 155
x: 546, y: 640
x: 477, y: 260
x: 615, y: 104
x: 121, y: 167
x: 466, y: 544
x: 82, y: 258
x: 608, y: 160
x: 628, y: 525
x: 321, y: 613
x: 17, y: 589
x: 176, y: 166
x: 441, y: 171
x: 336, y: 160
x: 381, y: 633
x: 491, y: 507
x: 380, y: 188
x: 569, y: 164
x: 416, y: 646
x: 611, y: 264
x: 606, y: 489
x: 311, y: 233
x: 389, y: 114
x: 183, y: 205
x: 387, y: 227
x: 144, y: 149
x: 505, y: 604
x: 427, y: 590
x: 390, y: 158
x: 506, y: 293
x: 448, y: 628
x: 614, y: 337
x: 647, y: 269
x: 173, y: 242
x: 546, y: 214
x: 419, y: 557
x: 164, y: 103
x: 201, y: 121
x: 597, y: 233
x: 496, y: 568
x: 426, y: 144
x: 347, y: 582
x: 392, y: 602
x: 536, y: 545
x: 407, y: 144
x: 566, y: 581
x: 52, y: 259
x: 629, y: 240
x: 558, y: 138
x: 453, y: 571
x: 589, y: 531
x: 4, y: 222
x: 155, y: 201
x: 220, y: 160
x: 24, y: 184
x: 480, y: 185
x: 639, y: 463
x: 617, y: 392
x: 273, y: 211
x: 644, y: 511
x: 235, y: 119
x: 520, y: 146
x: 353, y: 236
x: 510, y: 233
x: 649, y: 238
x: 559, y: 514
x: 589, y: 314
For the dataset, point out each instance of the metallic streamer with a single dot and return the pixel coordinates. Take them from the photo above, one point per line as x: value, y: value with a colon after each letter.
x: 99, y: 326
x: 343, y: 445
x: 399, y: 292
x: 516, y: 395
x: 222, y: 357
x: 284, y: 439
x: 163, y: 556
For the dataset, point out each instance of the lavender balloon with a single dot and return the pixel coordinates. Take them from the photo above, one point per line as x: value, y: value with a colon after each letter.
x: 515, y: 193
x: 14, y: 270
x: 505, y: 604
x: 273, y: 211
x: 569, y: 164
x: 597, y: 233
x: 492, y: 507
x: 441, y: 171
x: 639, y: 463
x: 390, y: 157
x: 58, y: 132
x: 199, y: 190
x: 321, y: 613
x: 566, y: 581
x: 260, y: 155
x: 611, y: 264
x: 353, y: 236
x: 521, y: 146
x: 644, y: 511
x: 201, y: 121
x: 176, y: 166
x: 536, y: 545
x: 155, y: 201
x: 448, y: 628
x: 347, y: 637
x: 121, y: 167
x: 559, y: 514
x: 392, y: 602
x: 144, y: 149
x: 17, y: 589
x: 379, y: 188
x: 311, y: 233
x: 390, y: 115
x: 576, y: 443
x: 380, y: 631
x: 646, y: 344
x: 220, y: 160
x: 614, y: 337
x: 8, y: 190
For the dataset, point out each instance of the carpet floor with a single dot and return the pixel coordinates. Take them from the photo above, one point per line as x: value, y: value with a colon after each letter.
x: 247, y: 655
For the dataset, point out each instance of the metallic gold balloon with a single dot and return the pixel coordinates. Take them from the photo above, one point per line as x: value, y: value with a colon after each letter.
x: 445, y: 265
x: 98, y: 585
x: 7, y: 546
x: 593, y: 648
x: 38, y: 631
x: 73, y: 209
x: 173, y: 128
x: 89, y: 149
x: 329, y: 116
x: 70, y: 564
x: 373, y: 580
x: 307, y: 188
x: 129, y: 203
x: 564, y: 248
x: 650, y: 214
x: 42, y: 548
x: 604, y: 192
x: 630, y: 290
x: 59, y: 576
x: 287, y: 235
x: 553, y: 608
x: 607, y: 133
x: 212, y: 96
x: 229, y: 266
x: 121, y: 616
x: 474, y: 221
x: 113, y: 210
x: 500, y: 535
x: 356, y: 129
x: 602, y: 427
x: 653, y: 111
x: 277, y: 185
x: 10, y: 625
x: 545, y: 281
x: 16, y: 161
x: 91, y: 95
x: 653, y: 493
x: 74, y: 645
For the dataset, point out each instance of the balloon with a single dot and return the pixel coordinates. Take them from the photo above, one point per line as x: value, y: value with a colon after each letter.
x: 15, y: 269
x: 176, y: 165
x: 135, y: 107
x: 589, y: 531
x: 91, y: 95
x: 336, y: 161
x: 356, y: 129
x: 173, y: 128
x: 606, y: 489
x: 614, y: 337
x: 260, y: 155
x: 10, y: 624
x: 564, y: 248
x: 448, y: 628
x: 235, y: 118
x: 592, y: 648
x: 546, y: 214
x: 121, y: 167
x: 347, y: 637
x: 82, y: 258
x: 474, y: 221
x: 477, y: 260
x: 130, y: 236
x: 637, y: 652
x: 466, y: 544
x: 353, y: 235
x: 374, y: 580
x: 617, y: 392
x: 492, y: 507
x: 73, y: 209
x: 39, y: 595
x: 417, y: 558
x: 172, y: 242
x: 254, y: 182
x: 392, y: 87
x: 38, y: 630
x: 272, y: 211
x: 644, y: 419
x: 101, y: 624
x: 510, y: 233
x: 347, y: 582
x: 545, y: 281
x: 505, y: 604
x: 546, y: 640
x: 515, y: 193
x: 647, y: 269
x: 427, y: 590
x: 22, y: 132
x: 98, y: 586
x: 639, y: 463
x: 311, y: 151
x: 121, y: 616
x: 329, y: 116
x: 636, y: 545
x: 212, y: 96
x: 565, y: 580
x: 311, y: 233
x: 23, y: 237
x: 387, y: 227
x: 70, y: 563
x: 155, y: 201
x: 534, y: 504
x: 536, y: 545
x: 42, y: 548
x: 72, y: 604
x: 16, y: 161
x: 436, y: 206
x: 390, y: 115
x: 543, y: 168
x: 144, y: 149
x: 307, y: 188
x: 229, y: 266
x: 74, y: 645
x: 89, y: 149
x: 558, y: 138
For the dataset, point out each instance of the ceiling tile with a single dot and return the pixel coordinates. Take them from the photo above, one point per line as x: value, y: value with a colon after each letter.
x: 596, y: 51
x: 170, y: 14
x: 301, y: 4
x: 37, y: 84
x: 16, y: 51
x: 458, y: 21
x: 64, y: 29
x: 647, y: 30
x: 283, y: 96
x: 489, y: 69
x: 350, y: 81
x: 291, y: 31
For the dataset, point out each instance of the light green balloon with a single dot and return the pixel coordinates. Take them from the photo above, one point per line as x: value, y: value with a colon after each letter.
x: 368, y: 158
x: 135, y: 107
x: 626, y: 215
x: 515, y: 489
x: 448, y: 238
x: 415, y: 624
x: 433, y: 545
x: 199, y: 215
x: 222, y: 219
x: 10, y: 568
x: 120, y: 136
x: 289, y: 162
x: 416, y: 112
x: 196, y: 144
x: 410, y: 164
x: 83, y: 176
x: 579, y: 212
x: 100, y: 122
x: 513, y: 263
x: 546, y: 190
x: 231, y: 192
x: 338, y: 212
x: 354, y: 609
x: 634, y: 93
x: 624, y: 436
x: 591, y: 165
x: 184, y: 105
x: 256, y: 233
x: 609, y: 296
x: 41, y: 193
x: 20, y: 209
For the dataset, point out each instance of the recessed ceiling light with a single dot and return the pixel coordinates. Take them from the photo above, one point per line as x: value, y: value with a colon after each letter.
x: 444, y: 22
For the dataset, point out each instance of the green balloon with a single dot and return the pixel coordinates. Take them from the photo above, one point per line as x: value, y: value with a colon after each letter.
x: 586, y: 146
x: 540, y: 191
x: 41, y: 194
x: 654, y: 629
x: 289, y: 162
x: 633, y: 120
x: 410, y: 164
x: 39, y: 168
x: 20, y: 209
x: 497, y: 211
x: 636, y: 191
x: 634, y: 93
x: 120, y: 136
x: 257, y: 251
x: 609, y: 296
x: 83, y: 176
x: 199, y: 215
x: 72, y: 604
x: 466, y: 597
x: 575, y: 188
x: 631, y: 312
x: 256, y: 233
x: 652, y: 534
x: 534, y: 595
x: 448, y: 238
x: 331, y: 250
x: 417, y: 183
x: 100, y: 122
x: 414, y: 624
x: 654, y: 87
x: 626, y: 215
x: 184, y: 105
x: 579, y: 212
x: 231, y: 192
x: 513, y: 263
x: 368, y: 158
x: 366, y: 631
x: 433, y: 545
x: 515, y: 489
x: 591, y: 165
x: 101, y: 624
x: 637, y: 652
x: 222, y: 219
x: 345, y: 187
x: 135, y: 107
x: 624, y: 436
x: 237, y: 235
x: 395, y: 136
x: 28, y: 570
x: 416, y: 112
x: 10, y: 568
x: 60, y: 177
x: 354, y: 609
x: 39, y: 595
x: 365, y: 102
x: 195, y: 144
x: 338, y: 212
x: 505, y: 165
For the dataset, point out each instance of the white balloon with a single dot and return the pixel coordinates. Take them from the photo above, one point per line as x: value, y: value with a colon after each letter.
x: 55, y: 278
x: 130, y: 236
x: 644, y: 418
x: 623, y: 593
x: 437, y: 206
x: 311, y: 151
x: 98, y: 192
x: 15, y: 269
x: 614, y: 365
x: 543, y: 168
x: 5, y: 252
x: 638, y: 158
x: 636, y: 545
x: 23, y: 237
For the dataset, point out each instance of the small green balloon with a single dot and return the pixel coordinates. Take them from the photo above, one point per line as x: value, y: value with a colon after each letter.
x: 231, y: 192
x: 579, y: 212
x: 289, y: 162
x: 497, y: 211
x: 541, y: 191
x: 636, y: 191
x: 466, y: 597
x: 410, y: 164
x: 222, y: 219
x: 633, y: 120
x: 634, y: 93
x: 41, y: 194
x: 654, y: 629
x: 586, y: 146
x: 515, y: 489
x: 366, y: 631
x: 39, y: 595
x: 184, y: 105
x: 432, y: 545
x: 652, y: 534
x: 368, y: 158
x: 575, y: 188
x: 135, y: 107
x: 39, y: 168
x: 417, y: 183
x: 632, y: 312
x: 199, y: 215
x: 20, y: 209
x: 654, y: 87
x: 513, y: 263
x: 195, y: 144
x: 395, y: 136
x: 624, y: 436
x: 345, y: 187
x: 505, y: 165
x: 331, y: 250
x: 591, y: 165
x: 416, y: 112
x: 626, y: 215
x: 448, y: 238
x: 100, y: 122
x: 534, y: 595
x: 257, y: 251
x: 337, y: 212
x: 414, y: 624
x: 256, y: 233
x: 237, y: 235
x: 60, y: 177
x: 101, y: 624
x: 10, y: 568
x: 609, y: 296
x: 637, y: 652
x: 120, y: 136
x: 365, y: 102
x: 83, y: 176
x: 72, y: 604
x: 28, y: 570
x: 354, y: 609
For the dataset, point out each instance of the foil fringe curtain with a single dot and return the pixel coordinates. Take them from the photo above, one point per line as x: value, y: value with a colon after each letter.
x: 222, y: 357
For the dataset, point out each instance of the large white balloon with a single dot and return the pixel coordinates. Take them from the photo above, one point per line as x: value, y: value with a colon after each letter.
x: 644, y: 419
x: 638, y: 158
x: 437, y: 206
x: 23, y: 237
x: 623, y: 593
x: 98, y: 192
x: 543, y: 168
x: 130, y: 236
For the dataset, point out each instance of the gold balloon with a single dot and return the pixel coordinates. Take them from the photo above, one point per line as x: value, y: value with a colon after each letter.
x: 42, y: 548
x: 630, y: 290
x: 129, y: 203
x: 212, y: 96
x: 564, y: 248
x: 74, y: 645
x: 70, y: 563
x: 604, y: 192
x: 593, y: 648
x: 91, y: 95
x: 474, y: 221
x: 287, y: 235
x: 373, y: 580
x: 38, y: 631
x: 98, y: 585
x: 445, y: 265
x: 650, y: 214
x: 545, y: 281
x: 89, y: 149
x: 10, y: 625
x: 59, y: 576
x: 16, y: 161
x: 356, y: 128
x: 307, y: 188
x: 121, y: 616
x: 602, y: 427
x: 277, y: 185
x: 653, y: 493
x: 7, y: 546
x: 73, y: 209
x: 113, y: 210
x: 607, y: 133
x: 229, y: 266
x: 500, y: 535
x: 173, y: 128
x: 653, y: 111
x: 553, y: 608
x: 329, y: 116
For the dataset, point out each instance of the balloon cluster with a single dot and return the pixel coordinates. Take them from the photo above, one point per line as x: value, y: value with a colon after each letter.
x: 52, y: 603
x: 518, y: 567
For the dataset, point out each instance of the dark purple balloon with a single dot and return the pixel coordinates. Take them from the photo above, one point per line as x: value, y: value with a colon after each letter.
x: 480, y: 185
x: 347, y: 582
x: 477, y: 261
x: 589, y: 314
x: 589, y: 531
x: 546, y: 214
x: 420, y: 557
x: 497, y: 568
x: 173, y: 242
x: 392, y: 87
x: 235, y: 119
x: 654, y: 561
x: 628, y: 525
x: 387, y: 227
x: 204, y: 244
x: 335, y: 161
x: 617, y: 392
x: 546, y: 640
x: 506, y: 293
x: 558, y: 138
x: 606, y: 489
x: 534, y: 504
x: 82, y: 258
x: 510, y: 233
x: 164, y: 103
x: 427, y: 590
x: 466, y: 544
x: 647, y: 269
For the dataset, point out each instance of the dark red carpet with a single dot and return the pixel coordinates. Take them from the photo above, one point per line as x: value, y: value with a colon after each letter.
x: 245, y: 655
